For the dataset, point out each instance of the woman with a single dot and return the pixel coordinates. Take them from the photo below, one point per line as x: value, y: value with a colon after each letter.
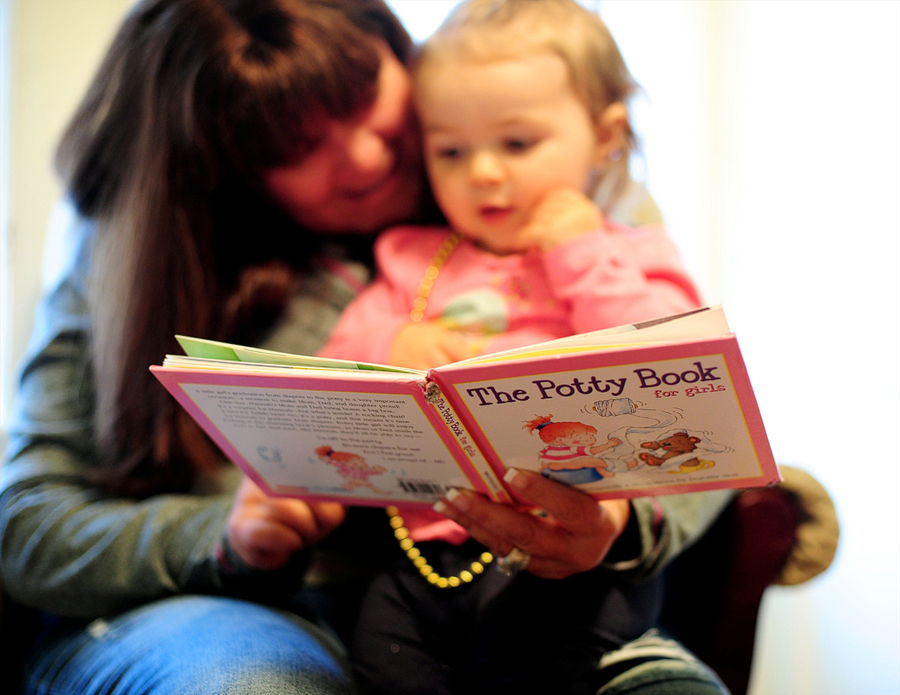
x: 226, y: 166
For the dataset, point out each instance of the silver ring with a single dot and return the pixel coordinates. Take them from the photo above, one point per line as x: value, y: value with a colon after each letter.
x: 514, y: 561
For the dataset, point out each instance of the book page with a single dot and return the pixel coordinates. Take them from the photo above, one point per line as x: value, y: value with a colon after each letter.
x: 358, y: 442
x: 646, y: 420
x: 699, y: 323
x: 308, y: 369
x: 201, y: 348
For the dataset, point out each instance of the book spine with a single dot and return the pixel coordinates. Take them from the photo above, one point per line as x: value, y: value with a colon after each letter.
x: 436, y: 400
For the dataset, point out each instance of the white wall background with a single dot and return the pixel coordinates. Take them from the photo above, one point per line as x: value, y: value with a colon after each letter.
x: 772, y: 141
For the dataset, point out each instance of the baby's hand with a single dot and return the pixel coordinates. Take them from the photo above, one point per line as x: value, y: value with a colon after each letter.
x: 428, y: 344
x: 265, y: 531
x: 564, y: 214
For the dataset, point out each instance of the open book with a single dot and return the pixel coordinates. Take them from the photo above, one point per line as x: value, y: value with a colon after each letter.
x: 655, y: 408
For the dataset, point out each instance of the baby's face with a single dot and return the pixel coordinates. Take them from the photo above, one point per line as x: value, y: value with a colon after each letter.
x: 498, y: 136
x: 585, y: 438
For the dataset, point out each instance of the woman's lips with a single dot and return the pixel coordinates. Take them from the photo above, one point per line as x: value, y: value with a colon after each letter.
x: 374, y: 189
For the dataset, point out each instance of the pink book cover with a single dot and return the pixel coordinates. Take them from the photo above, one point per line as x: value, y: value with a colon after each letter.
x: 331, y: 435
x: 618, y: 421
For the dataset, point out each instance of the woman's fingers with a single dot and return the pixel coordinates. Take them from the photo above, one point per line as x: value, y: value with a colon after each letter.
x: 501, y: 528
x: 571, y: 508
x: 567, y: 532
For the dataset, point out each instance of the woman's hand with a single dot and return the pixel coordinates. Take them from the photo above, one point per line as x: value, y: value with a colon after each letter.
x: 562, y: 215
x: 265, y: 531
x: 575, y: 537
x: 427, y: 345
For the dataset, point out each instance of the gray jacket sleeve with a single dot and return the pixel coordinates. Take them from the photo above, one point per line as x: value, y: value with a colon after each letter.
x: 668, y: 525
x: 71, y: 549
x: 66, y: 547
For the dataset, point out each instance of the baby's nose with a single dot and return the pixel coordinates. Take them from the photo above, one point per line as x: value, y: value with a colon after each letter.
x: 486, y: 169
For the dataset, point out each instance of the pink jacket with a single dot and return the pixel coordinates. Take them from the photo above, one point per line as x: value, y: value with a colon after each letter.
x: 607, y: 278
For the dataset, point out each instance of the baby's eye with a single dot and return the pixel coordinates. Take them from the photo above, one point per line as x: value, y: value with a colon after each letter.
x: 518, y: 144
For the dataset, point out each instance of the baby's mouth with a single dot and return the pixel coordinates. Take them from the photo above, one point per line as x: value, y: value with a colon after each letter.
x: 494, y: 213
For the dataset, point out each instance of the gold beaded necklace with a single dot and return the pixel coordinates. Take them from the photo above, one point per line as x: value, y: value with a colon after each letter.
x: 401, y: 533
x: 431, y: 273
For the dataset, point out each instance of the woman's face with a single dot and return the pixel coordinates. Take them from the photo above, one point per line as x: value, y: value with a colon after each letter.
x: 363, y: 173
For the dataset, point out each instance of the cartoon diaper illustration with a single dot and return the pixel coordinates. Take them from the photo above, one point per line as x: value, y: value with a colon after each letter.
x: 572, y: 453
x: 351, y: 467
x: 677, y: 444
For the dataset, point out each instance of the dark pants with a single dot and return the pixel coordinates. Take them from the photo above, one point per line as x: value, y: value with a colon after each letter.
x: 499, y: 634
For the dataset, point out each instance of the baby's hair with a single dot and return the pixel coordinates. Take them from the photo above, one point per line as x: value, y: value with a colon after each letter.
x: 548, y: 430
x: 497, y: 29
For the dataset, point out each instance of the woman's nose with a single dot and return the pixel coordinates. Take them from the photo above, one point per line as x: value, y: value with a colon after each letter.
x: 367, y: 152
x: 486, y: 169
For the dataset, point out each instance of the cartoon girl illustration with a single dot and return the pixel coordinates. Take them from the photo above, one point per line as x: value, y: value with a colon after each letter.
x: 571, y: 446
x: 351, y: 467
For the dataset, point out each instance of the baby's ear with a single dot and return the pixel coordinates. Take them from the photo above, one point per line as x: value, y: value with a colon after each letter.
x: 612, y: 129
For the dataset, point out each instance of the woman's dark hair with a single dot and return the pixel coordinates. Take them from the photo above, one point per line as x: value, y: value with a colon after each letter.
x: 192, y: 100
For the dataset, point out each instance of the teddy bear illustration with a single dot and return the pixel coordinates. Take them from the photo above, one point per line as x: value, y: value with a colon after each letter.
x: 676, y: 444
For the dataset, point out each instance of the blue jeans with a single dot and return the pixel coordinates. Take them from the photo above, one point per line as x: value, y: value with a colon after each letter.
x: 190, y: 645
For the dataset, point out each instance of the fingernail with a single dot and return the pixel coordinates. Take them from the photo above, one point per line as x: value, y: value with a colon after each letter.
x: 439, y: 507
x: 457, y: 499
x: 515, y: 478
